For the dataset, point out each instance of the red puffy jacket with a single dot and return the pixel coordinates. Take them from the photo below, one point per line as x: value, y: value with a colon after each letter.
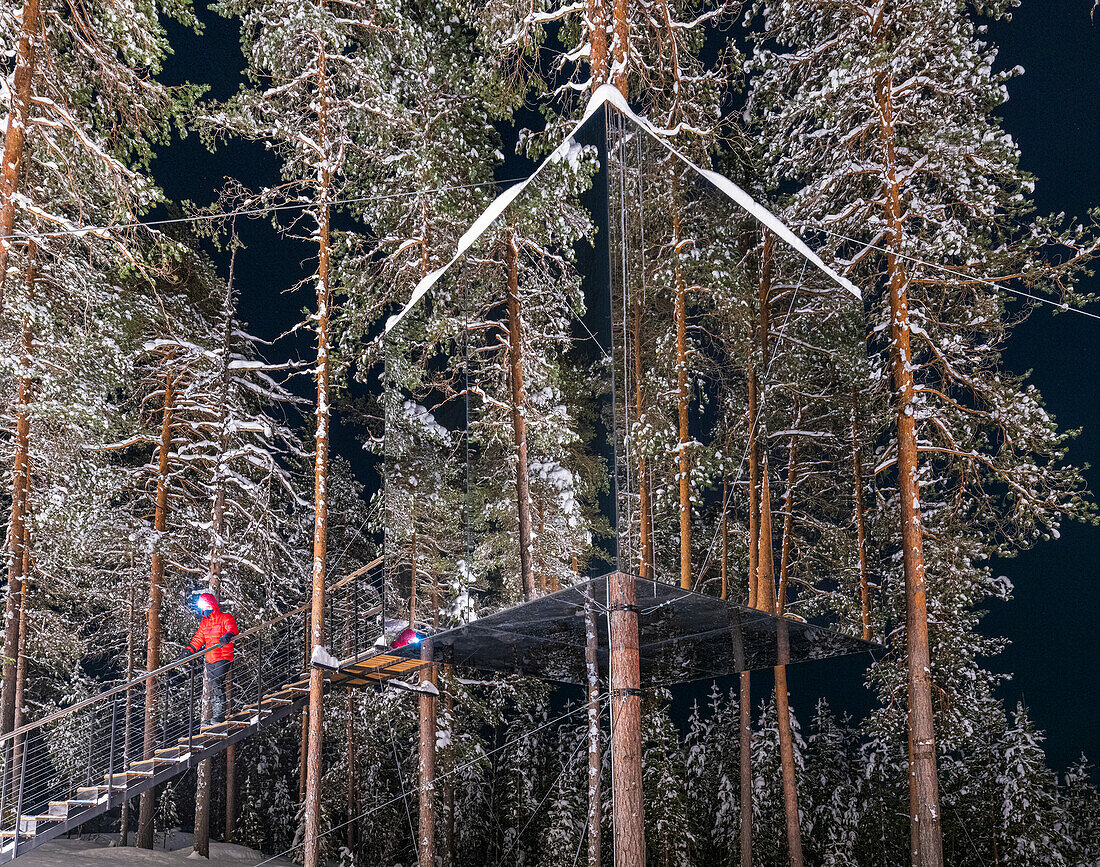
x: 211, y: 631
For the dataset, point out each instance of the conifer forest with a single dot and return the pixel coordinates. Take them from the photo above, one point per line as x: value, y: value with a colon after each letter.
x: 719, y: 299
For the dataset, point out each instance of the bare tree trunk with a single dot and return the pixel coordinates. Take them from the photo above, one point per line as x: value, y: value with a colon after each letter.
x: 519, y: 424
x: 626, y: 722
x: 426, y: 848
x: 927, y: 843
x: 17, y: 525
x: 312, y: 831
x: 592, y: 668
x: 682, y: 406
x: 156, y: 585
x: 15, y: 133
x: 861, y: 537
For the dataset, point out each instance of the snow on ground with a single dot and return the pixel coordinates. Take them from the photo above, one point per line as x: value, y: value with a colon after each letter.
x: 95, y: 851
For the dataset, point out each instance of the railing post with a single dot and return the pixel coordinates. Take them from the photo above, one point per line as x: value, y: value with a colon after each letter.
x: 111, y: 752
x: 259, y: 678
x: 356, y: 650
x: 163, y: 685
x: 9, y: 767
x: 91, y: 728
x: 190, y: 707
x: 19, y: 800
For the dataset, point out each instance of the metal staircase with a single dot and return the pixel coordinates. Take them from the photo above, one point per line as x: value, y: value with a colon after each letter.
x: 80, y: 762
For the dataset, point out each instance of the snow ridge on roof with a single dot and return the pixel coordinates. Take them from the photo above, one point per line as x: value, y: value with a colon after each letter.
x: 607, y: 94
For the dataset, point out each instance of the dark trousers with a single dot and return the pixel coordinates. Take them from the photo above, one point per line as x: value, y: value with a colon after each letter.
x: 215, y: 680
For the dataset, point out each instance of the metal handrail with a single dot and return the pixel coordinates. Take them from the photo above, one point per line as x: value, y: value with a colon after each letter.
x: 144, y: 676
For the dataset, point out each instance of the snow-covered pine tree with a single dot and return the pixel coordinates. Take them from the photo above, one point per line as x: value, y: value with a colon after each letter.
x: 1081, y: 804
x: 302, y: 100
x: 565, y: 807
x: 106, y: 144
x: 890, y: 140
x: 830, y: 790
x: 59, y: 54
x: 1031, y: 823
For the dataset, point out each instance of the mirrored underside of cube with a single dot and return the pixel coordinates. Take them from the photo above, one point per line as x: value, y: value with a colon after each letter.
x: 683, y: 636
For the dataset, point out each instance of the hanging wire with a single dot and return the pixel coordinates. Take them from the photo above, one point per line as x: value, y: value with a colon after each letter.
x: 248, y: 212
x: 985, y: 281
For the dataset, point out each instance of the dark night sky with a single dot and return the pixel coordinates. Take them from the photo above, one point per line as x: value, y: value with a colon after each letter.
x: 1054, y: 113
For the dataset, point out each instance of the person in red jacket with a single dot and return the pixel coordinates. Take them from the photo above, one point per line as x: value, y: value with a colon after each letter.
x: 217, y: 629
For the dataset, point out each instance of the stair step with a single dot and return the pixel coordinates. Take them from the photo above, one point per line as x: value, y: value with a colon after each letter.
x: 118, y: 774
x: 92, y: 791
x: 22, y: 834
x: 153, y: 762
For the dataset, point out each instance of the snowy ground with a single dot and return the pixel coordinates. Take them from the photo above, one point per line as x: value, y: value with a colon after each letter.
x: 96, y: 852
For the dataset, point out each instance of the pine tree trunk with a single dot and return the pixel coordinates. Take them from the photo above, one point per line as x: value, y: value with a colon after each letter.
x: 620, y: 47
x: 446, y: 784
x: 156, y: 584
x: 519, y: 423
x: 597, y: 38
x: 861, y: 539
x: 754, y: 483
x: 766, y: 597
x: 626, y: 735
x: 927, y: 844
x: 788, y: 526
x: 592, y: 669
x: 682, y: 408
x: 15, y: 133
x: 765, y: 556
x: 312, y: 809
x: 426, y: 847
x: 17, y: 525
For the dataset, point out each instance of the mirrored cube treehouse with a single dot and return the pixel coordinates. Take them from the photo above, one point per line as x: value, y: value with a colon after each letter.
x: 625, y: 371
